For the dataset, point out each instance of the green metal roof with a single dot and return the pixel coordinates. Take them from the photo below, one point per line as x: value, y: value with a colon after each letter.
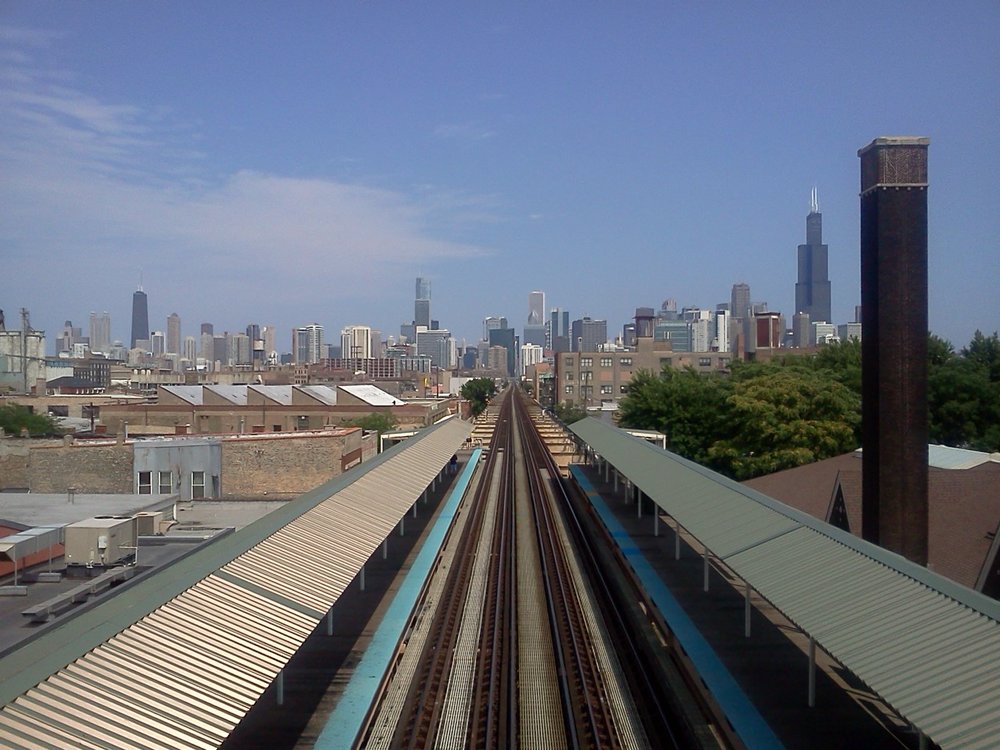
x: 929, y: 646
x: 177, y: 659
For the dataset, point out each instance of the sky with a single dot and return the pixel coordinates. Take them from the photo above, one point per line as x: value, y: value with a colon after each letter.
x: 288, y: 163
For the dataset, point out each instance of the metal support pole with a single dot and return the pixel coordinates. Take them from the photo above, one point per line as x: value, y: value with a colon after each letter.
x: 812, y: 671
x: 385, y: 548
x: 677, y: 539
x: 746, y: 613
x: 656, y: 522
x: 607, y: 470
x: 638, y: 506
x: 922, y: 741
x: 402, y: 526
x: 362, y: 581
x: 706, y: 569
x: 414, y: 510
x: 329, y: 621
x: 616, y: 481
x: 281, y: 687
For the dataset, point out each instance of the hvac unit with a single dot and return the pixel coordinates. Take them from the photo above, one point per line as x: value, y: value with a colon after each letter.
x: 148, y: 522
x: 101, y: 541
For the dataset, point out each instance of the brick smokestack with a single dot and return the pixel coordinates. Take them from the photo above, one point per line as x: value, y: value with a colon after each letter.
x: 894, y: 344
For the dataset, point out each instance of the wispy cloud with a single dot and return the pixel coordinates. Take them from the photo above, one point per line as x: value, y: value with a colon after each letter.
x: 92, y: 182
x: 463, y: 131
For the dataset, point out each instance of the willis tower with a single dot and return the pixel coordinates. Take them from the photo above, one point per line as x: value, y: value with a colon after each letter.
x: 812, y: 291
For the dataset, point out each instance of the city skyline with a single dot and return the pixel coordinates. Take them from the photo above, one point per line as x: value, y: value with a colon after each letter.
x: 493, y: 153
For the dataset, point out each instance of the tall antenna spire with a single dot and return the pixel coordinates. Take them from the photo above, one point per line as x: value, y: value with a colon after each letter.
x: 140, y: 280
x: 814, y: 202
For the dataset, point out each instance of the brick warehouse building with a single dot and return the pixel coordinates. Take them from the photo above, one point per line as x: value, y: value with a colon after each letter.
x: 224, y: 467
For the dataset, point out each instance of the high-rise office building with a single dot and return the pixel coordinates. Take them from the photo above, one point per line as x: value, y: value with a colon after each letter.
x: 157, y: 343
x: 208, y: 328
x: 436, y: 344
x: 422, y: 303
x: 506, y: 338
x: 140, y: 317
x: 307, y: 344
x: 536, y: 307
x: 174, y: 333
x: 588, y: 335
x: 894, y: 346
x: 739, y: 307
x: 100, y: 332
x: 812, y: 290
x: 534, y: 329
x: 190, y: 347
x: 559, y: 330
x: 356, y: 342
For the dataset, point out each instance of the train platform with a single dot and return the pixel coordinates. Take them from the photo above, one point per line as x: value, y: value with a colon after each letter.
x: 345, y: 721
x: 769, y: 669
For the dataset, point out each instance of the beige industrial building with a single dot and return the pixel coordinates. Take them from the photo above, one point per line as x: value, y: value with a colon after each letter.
x: 220, y: 409
x: 225, y: 467
x: 594, y: 379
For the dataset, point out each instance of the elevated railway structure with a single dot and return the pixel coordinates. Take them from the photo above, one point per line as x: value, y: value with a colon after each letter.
x: 520, y: 640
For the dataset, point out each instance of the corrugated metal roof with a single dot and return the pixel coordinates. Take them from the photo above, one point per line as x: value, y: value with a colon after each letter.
x: 373, y: 395
x: 190, y: 393
x: 15, y: 546
x: 280, y: 394
x: 178, y: 660
x: 946, y: 457
x: 928, y: 646
x: 237, y: 394
x: 322, y: 393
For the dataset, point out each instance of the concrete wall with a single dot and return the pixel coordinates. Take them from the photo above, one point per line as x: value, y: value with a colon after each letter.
x: 14, y: 458
x: 92, y: 469
x: 268, y: 466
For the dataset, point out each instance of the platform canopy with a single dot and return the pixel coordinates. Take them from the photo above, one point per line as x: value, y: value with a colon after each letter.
x: 180, y: 657
x: 930, y: 647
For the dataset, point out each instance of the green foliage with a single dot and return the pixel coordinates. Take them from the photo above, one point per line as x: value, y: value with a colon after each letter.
x: 478, y: 392
x: 785, y: 417
x: 374, y: 422
x: 963, y: 394
x: 14, y: 418
x: 569, y: 414
x: 768, y: 416
x: 687, y: 407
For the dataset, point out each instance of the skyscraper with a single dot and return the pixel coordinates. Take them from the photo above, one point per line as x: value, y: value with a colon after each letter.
x: 174, y: 334
x: 100, y: 332
x: 422, y: 303
x: 307, y: 344
x: 140, y: 317
x: 356, y: 342
x: 740, y: 305
x: 894, y: 346
x: 534, y: 329
x: 812, y: 290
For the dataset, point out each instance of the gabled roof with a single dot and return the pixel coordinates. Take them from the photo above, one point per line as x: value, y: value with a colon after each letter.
x: 178, y: 659
x: 235, y: 394
x: 193, y: 394
x: 322, y: 393
x: 372, y: 395
x: 928, y: 646
x: 279, y: 394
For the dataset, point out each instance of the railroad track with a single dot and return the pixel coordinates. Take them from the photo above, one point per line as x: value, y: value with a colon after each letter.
x: 525, y: 645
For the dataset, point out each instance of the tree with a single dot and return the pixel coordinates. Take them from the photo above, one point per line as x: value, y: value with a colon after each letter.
x: 568, y: 414
x: 779, y: 419
x: 14, y: 418
x: 963, y: 395
x: 373, y: 422
x: 684, y: 405
x: 478, y: 392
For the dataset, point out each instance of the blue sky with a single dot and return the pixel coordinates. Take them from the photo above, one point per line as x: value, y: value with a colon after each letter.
x: 283, y: 163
